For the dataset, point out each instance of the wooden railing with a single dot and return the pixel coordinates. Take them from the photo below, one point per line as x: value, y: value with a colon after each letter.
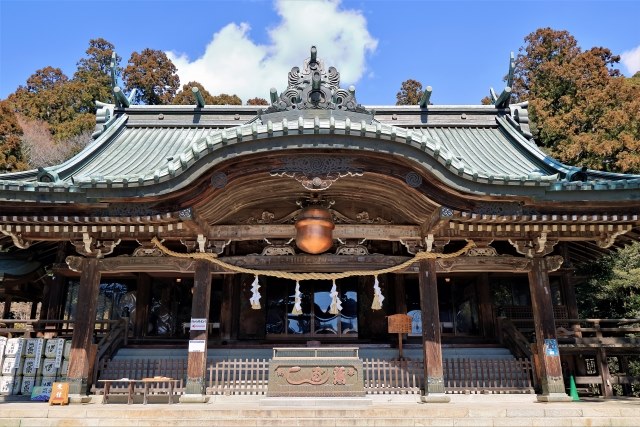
x: 486, y: 375
x: 511, y: 337
x: 603, y: 331
x: 251, y: 376
x: 393, y: 376
x: 238, y: 376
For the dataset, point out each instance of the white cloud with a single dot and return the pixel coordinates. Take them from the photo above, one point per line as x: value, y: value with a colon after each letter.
x: 233, y: 63
x: 631, y: 60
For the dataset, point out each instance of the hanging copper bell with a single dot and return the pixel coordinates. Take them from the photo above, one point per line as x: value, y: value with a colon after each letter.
x: 314, y: 230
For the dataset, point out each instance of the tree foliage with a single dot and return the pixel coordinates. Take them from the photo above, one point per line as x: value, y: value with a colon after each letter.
x: 613, y: 286
x: 585, y: 112
x: 10, y: 134
x: 154, y: 76
x: 410, y: 93
x: 226, y: 99
x: 94, y: 74
x: 257, y: 101
x: 185, y: 96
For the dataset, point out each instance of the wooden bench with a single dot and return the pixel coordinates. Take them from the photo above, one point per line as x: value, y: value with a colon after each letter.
x: 150, y: 387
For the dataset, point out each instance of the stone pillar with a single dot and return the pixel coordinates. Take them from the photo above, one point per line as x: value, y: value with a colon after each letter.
x: 197, y: 360
x: 547, y: 349
x: 432, y: 348
x: 82, y: 345
x: 143, y: 297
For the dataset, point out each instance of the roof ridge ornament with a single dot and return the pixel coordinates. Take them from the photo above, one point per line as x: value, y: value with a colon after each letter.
x: 503, y: 100
x: 314, y: 88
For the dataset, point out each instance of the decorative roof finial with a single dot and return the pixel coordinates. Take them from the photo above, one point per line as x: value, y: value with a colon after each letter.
x: 313, y: 88
x: 502, y: 101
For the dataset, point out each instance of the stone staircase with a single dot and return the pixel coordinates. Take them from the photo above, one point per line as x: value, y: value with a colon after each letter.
x: 475, y: 410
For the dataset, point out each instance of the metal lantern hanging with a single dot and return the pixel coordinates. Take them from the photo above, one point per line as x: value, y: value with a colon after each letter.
x: 314, y: 229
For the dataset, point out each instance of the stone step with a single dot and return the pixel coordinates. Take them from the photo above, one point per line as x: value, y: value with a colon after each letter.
x: 476, y: 410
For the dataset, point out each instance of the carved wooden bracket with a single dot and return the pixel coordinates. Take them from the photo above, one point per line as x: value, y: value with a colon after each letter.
x: 352, y: 249
x: 278, y: 249
x: 537, y: 247
x: 553, y: 263
x: 606, y: 240
x: 18, y: 241
x: 189, y: 244
x: 74, y: 263
x: 217, y: 246
x: 90, y: 247
x: 147, y: 249
x: 412, y: 246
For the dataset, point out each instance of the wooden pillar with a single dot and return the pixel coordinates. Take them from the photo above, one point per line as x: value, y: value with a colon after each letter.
x: 605, y: 375
x: 143, y: 298
x: 432, y: 348
x: 53, y: 304
x: 548, y: 352
x: 197, y: 357
x: 226, y: 308
x: 399, y: 292
x: 82, y: 341
x: 34, y: 309
x: 485, y: 308
x: 6, y: 313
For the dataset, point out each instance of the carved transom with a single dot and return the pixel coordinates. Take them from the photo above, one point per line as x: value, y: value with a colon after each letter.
x: 316, y: 173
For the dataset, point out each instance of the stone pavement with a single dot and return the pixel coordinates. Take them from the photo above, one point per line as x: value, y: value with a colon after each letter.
x: 381, y: 410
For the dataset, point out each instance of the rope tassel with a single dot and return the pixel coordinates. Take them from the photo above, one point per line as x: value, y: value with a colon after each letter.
x: 255, y: 296
x: 378, y: 298
x: 297, y: 301
x: 336, y: 305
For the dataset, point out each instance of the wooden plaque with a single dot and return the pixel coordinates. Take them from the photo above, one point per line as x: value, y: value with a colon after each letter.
x: 399, y: 324
x: 59, y: 394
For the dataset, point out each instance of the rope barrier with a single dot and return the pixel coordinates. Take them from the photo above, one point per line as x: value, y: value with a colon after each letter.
x: 311, y: 276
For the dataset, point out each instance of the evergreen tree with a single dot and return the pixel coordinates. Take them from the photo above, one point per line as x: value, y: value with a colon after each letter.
x: 410, y: 93
x: 10, y: 143
x: 584, y: 111
x: 154, y: 76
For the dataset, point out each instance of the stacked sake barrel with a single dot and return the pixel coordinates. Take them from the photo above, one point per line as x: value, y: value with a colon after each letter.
x: 30, y: 362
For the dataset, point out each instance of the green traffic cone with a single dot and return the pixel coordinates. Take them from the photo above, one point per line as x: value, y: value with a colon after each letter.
x: 573, y: 390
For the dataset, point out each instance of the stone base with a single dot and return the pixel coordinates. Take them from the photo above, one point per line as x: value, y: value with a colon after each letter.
x: 79, y: 398
x: 316, y: 401
x: 194, y: 398
x: 435, y: 398
x: 554, y: 397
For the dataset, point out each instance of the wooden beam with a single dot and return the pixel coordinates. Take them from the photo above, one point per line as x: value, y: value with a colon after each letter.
x: 303, y: 263
x: 143, y: 298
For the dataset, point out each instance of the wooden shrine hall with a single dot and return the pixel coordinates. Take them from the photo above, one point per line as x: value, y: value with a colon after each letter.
x: 309, y: 222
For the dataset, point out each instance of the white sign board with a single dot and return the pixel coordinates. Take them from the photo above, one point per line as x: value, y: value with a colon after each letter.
x: 197, y: 346
x: 198, y: 325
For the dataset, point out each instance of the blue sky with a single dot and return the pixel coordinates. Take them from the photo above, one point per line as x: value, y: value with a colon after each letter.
x: 459, y: 48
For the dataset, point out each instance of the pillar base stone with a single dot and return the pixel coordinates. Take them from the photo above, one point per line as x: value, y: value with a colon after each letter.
x: 554, y: 397
x: 79, y: 398
x: 194, y: 398
x: 435, y: 398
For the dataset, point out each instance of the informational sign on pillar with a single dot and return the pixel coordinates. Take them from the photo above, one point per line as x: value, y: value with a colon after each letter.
x: 198, y: 324
x: 197, y: 346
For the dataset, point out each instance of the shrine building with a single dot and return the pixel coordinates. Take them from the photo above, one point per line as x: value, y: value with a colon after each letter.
x: 205, y: 233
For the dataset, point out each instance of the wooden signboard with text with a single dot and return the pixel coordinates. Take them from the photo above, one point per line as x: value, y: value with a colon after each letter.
x: 59, y: 394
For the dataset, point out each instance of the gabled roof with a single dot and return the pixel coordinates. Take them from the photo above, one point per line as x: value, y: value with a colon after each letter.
x: 151, y: 150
